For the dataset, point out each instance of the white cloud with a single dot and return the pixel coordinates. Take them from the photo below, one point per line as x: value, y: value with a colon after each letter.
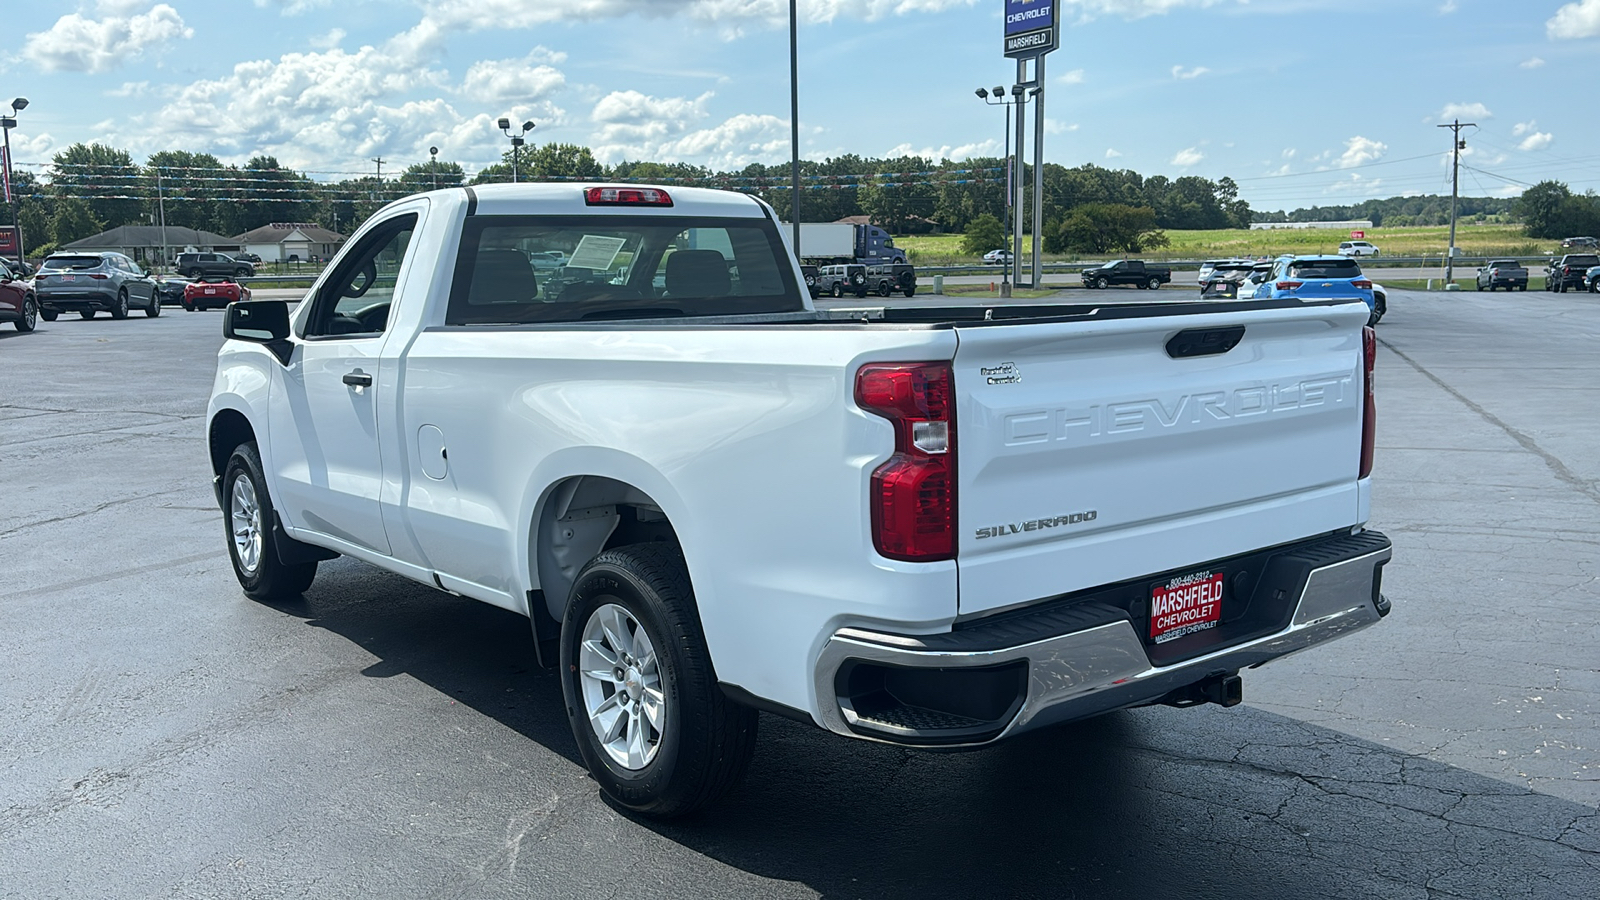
x: 1537, y: 141
x: 1053, y: 126
x: 989, y: 147
x: 1134, y: 9
x: 1186, y: 158
x: 1289, y: 152
x: 1575, y: 20
x: 1182, y: 74
x: 292, y: 7
x: 1073, y: 77
x: 130, y: 89
x: 1356, y: 185
x: 631, y: 118
x: 632, y: 125
x: 1522, y: 128
x: 1360, y: 151
x: 1454, y: 111
x: 514, y: 79
x: 1445, y: 8
x: 1112, y: 153
x: 78, y: 43
x: 327, y: 41
x: 1532, y: 62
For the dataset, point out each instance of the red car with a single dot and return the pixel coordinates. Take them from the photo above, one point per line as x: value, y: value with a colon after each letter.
x: 213, y: 291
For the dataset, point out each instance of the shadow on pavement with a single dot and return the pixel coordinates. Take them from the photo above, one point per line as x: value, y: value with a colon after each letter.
x: 1144, y: 803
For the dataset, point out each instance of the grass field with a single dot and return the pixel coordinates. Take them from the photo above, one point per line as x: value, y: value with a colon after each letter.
x: 1474, y: 240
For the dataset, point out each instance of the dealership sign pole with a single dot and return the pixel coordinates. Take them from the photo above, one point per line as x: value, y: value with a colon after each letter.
x: 1032, y: 29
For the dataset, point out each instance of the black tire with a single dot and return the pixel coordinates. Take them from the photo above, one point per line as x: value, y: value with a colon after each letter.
x: 911, y: 291
x: 188, y: 307
x: 120, y: 311
x: 706, y: 740
x: 269, y: 579
x: 86, y: 313
x: 194, y: 273
x: 30, y: 315
x: 1523, y: 288
x: 884, y: 289
x: 838, y: 289
x: 49, y: 315
x: 1154, y: 284
x: 154, y: 309
x: 242, y: 273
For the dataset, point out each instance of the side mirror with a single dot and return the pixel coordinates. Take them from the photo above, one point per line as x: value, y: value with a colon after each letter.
x: 264, y: 322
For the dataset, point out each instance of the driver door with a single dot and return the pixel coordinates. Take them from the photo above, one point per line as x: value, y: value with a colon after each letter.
x: 324, y: 431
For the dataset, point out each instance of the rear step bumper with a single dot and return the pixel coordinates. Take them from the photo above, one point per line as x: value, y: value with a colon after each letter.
x: 980, y: 684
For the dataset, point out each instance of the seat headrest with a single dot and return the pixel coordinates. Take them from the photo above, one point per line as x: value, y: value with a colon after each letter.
x: 697, y: 273
x: 502, y: 276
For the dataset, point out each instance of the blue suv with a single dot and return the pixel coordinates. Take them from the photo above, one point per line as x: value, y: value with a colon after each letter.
x: 1319, y: 277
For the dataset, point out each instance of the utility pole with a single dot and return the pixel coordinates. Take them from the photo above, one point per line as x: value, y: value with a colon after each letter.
x: 794, y: 122
x: 1456, y: 146
x: 161, y: 205
x: 376, y: 188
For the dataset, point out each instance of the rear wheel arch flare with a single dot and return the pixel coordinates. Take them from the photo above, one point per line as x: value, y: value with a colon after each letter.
x: 579, y: 518
x: 229, y: 428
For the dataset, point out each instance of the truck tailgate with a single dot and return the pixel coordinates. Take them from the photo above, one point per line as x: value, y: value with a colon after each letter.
x: 1088, y: 454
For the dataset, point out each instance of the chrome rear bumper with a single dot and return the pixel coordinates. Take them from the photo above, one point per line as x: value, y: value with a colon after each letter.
x: 1081, y: 673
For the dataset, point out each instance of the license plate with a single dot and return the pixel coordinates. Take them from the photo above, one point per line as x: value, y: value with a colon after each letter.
x: 1185, y: 605
x: 211, y: 290
x: 69, y: 278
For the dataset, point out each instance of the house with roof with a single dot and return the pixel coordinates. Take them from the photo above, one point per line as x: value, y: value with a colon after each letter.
x: 291, y: 241
x: 150, y: 244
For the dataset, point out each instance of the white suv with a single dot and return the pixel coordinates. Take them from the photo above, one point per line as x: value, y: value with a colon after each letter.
x: 1357, y: 248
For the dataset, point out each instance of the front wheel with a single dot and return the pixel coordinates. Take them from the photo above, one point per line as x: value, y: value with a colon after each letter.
x: 837, y: 290
x: 154, y: 309
x: 248, y: 518
x: 653, y: 727
x: 1101, y: 284
x: 120, y: 311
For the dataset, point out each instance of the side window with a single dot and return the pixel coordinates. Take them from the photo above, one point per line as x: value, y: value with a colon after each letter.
x: 356, y: 297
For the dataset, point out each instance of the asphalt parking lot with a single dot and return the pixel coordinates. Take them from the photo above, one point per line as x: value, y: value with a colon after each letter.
x: 162, y: 736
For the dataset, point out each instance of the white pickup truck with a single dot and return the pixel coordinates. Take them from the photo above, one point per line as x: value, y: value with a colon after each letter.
x: 934, y: 526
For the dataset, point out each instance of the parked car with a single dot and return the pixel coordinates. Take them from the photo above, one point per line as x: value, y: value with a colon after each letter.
x: 887, y: 279
x: 1357, y: 248
x: 997, y: 257
x: 212, y: 292
x: 1568, y: 272
x: 195, y: 265
x: 1308, y: 277
x: 547, y: 260
x: 1593, y: 280
x: 1225, y: 279
x: 1127, y: 271
x: 1126, y: 510
x: 87, y: 283
x: 809, y: 273
x: 170, y: 289
x: 839, y: 280
x: 1380, y: 303
x: 1259, y: 273
x: 18, y: 305
x: 1581, y: 243
x: 250, y: 258
x: 1503, y: 273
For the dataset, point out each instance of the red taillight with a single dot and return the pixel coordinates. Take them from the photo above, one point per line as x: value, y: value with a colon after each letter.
x: 913, y: 494
x: 1289, y: 285
x: 1362, y: 283
x: 1369, y: 413
x: 99, y: 276
x: 615, y: 196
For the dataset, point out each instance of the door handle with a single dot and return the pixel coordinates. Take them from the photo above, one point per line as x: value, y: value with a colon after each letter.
x: 358, y: 378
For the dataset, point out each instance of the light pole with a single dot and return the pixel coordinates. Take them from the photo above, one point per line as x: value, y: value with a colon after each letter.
x: 516, y: 141
x: 999, y: 94
x: 794, y: 122
x: 6, y: 124
x: 433, y: 164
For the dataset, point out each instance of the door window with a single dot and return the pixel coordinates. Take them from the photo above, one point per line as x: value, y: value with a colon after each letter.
x: 355, y: 299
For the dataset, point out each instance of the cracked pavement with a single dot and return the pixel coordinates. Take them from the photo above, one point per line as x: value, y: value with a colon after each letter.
x: 161, y: 736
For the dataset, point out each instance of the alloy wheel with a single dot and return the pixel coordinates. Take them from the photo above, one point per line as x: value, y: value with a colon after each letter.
x: 245, y: 517
x: 620, y: 679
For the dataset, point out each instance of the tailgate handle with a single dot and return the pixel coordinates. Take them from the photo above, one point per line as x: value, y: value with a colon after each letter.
x: 1204, y: 341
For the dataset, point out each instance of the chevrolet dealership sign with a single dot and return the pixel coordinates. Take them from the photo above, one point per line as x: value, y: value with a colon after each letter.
x: 1031, y: 27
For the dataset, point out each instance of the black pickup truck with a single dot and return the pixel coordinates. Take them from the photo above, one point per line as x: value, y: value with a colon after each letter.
x: 1503, y: 273
x: 1567, y: 273
x: 1127, y: 271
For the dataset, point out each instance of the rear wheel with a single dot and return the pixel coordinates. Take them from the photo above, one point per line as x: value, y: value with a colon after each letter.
x: 1154, y: 284
x: 838, y: 290
x: 154, y: 309
x: 49, y: 315
x: 248, y: 519
x: 653, y: 727
x: 120, y: 311
x: 86, y: 313
x: 30, y: 315
x: 911, y: 291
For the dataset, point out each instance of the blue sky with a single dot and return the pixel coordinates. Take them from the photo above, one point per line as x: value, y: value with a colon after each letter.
x: 1302, y: 101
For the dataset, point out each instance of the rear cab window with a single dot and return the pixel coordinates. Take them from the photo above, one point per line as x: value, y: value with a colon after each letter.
x: 1325, y: 268
x: 618, y: 267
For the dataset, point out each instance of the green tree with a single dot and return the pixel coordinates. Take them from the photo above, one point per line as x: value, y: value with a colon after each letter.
x: 74, y: 220
x: 983, y: 234
x: 190, y: 188
x: 430, y: 175
x: 103, y: 177
x: 1106, y: 228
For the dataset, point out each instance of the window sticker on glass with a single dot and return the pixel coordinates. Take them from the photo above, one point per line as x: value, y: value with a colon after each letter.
x: 596, y: 252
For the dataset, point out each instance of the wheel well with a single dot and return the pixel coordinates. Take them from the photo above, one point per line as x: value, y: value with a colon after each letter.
x: 228, y: 430
x: 583, y: 516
